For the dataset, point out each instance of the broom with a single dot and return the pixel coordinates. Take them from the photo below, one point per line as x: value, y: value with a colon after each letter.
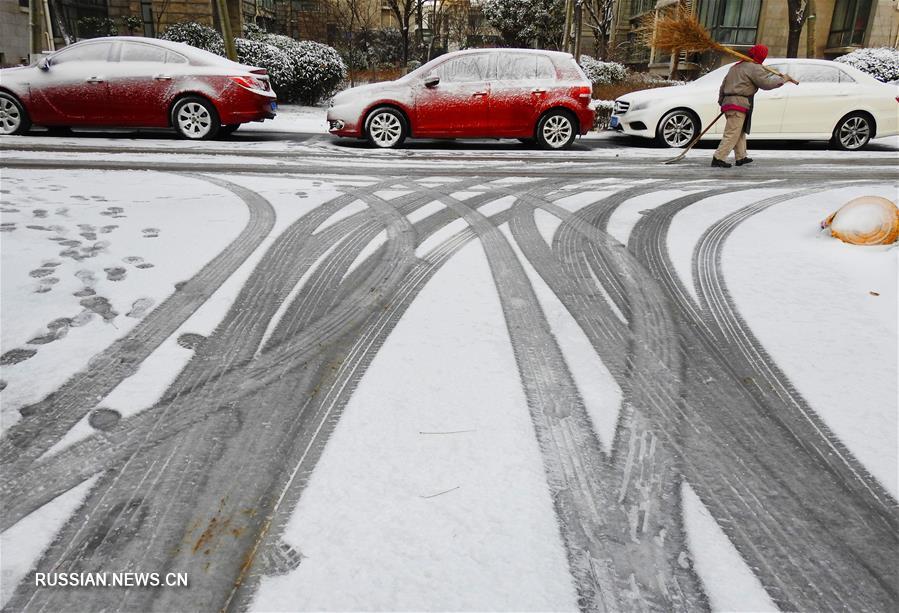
x: 683, y: 32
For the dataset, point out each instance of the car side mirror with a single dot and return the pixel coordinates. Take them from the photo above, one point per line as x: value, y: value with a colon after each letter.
x: 432, y: 80
x: 44, y: 64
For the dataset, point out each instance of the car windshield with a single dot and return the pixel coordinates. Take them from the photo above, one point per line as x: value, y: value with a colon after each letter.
x: 423, y: 70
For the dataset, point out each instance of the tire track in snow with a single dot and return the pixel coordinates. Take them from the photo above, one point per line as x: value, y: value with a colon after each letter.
x: 757, y: 480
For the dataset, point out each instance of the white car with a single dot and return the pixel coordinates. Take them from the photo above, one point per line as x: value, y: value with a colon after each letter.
x: 833, y: 102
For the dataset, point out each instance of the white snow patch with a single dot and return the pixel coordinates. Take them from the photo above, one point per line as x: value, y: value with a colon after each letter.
x: 466, y: 194
x: 576, y: 202
x: 547, y: 224
x: 600, y: 392
x: 689, y: 224
x: 23, y: 543
x: 629, y: 212
x: 729, y: 583
x: 497, y: 206
x: 425, y: 211
x: 366, y: 252
x: 356, y: 206
x: 817, y: 317
x: 439, y: 236
x: 371, y: 537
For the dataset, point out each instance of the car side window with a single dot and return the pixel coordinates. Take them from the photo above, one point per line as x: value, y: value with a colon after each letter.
x: 136, y: 52
x: 814, y: 73
x: 845, y: 77
x: 515, y: 67
x: 175, y: 58
x: 464, y: 69
x: 96, y: 52
x: 545, y: 68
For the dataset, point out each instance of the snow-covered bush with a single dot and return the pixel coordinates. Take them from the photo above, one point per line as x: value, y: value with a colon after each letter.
x: 316, y: 70
x: 264, y: 55
x: 602, y: 73
x: 882, y: 63
x: 196, y: 35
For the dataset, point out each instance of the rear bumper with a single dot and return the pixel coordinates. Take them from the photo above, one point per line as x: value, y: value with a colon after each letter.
x: 242, y: 105
x: 586, y: 117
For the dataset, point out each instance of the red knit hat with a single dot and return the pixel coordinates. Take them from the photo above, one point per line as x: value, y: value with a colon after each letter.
x: 758, y: 53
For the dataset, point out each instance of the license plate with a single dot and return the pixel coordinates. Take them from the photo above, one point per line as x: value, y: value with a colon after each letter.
x: 613, y: 123
x: 274, y: 106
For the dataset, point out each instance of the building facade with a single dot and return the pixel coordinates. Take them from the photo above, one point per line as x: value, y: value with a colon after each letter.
x: 840, y: 27
x: 15, y: 39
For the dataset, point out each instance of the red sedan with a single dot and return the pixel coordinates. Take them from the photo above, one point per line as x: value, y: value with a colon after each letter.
x: 135, y: 82
x: 532, y: 95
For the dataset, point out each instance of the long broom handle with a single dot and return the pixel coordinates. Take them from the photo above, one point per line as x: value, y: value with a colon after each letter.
x: 746, y: 58
x: 695, y: 140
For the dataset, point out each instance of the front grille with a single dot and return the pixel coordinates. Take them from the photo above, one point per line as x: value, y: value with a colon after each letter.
x: 621, y: 107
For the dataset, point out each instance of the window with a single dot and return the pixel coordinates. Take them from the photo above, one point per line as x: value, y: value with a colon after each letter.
x: 849, y: 23
x: 175, y: 58
x: 733, y: 22
x: 96, y: 52
x: 515, y: 67
x: 465, y: 69
x: 135, y: 52
x: 638, y: 7
x: 815, y: 73
x: 545, y: 68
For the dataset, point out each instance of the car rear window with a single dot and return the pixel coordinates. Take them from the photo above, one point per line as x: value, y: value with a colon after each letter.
x: 522, y: 67
x: 136, y: 52
x: 175, y: 58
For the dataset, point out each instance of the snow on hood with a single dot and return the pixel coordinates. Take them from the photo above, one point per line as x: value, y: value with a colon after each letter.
x: 367, y: 90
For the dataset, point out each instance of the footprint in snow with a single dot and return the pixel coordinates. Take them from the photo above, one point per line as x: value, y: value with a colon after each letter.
x: 150, y: 232
x: 108, y: 229
x: 191, y: 341
x: 100, y: 306
x: 140, y: 307
x: 86, y: 276
x: 103, y: 419
x: 15, y: 356
x: 39, y: 213
x: 7, y: 226
x: 45, y: 285
x: 116, y: 273
x: 37, y: 273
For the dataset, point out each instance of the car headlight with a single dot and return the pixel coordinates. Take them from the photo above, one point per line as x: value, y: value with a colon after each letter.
x: 639, y: 106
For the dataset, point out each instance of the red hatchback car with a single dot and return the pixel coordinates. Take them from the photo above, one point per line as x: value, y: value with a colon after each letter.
x: 532, y: 95
x: 135, y: 82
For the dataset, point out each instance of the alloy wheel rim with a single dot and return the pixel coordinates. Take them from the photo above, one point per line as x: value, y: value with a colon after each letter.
x: 10, y: 116
x: 194, y: 120
x: 557, y: 130
x: 385, y: 129
x: 678, y: 130
x: 854, y: 133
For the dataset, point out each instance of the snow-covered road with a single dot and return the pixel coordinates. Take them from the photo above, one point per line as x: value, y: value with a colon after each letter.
x: 316, y: 377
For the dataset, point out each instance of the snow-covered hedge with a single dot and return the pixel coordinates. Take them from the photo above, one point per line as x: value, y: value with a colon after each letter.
x: 602, y: 73
x: 195, y: 35
x: 882, y: 63
x: 300, y: 71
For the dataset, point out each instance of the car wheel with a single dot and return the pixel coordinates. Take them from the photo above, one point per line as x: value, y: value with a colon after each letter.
x: 853, y: 132
x: 231, y: 129
x: 677, y: 129
x: 13, y: 116
x: 195, y: 118
x: 386, y: 128
x: 556, y: 130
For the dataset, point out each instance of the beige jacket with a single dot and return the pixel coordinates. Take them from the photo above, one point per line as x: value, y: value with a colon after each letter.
x: 743, y: 80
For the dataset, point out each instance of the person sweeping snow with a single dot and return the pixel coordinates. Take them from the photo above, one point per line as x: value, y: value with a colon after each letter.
x: 736, y: 98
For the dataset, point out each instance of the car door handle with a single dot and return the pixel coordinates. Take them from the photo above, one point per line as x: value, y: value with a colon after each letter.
x: 538, y: 90
x: 479, y: 94
x: 163, y: 77
x: 95, y: 80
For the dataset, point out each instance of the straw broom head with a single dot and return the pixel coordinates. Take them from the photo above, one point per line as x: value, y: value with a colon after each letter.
x: 681, y: 31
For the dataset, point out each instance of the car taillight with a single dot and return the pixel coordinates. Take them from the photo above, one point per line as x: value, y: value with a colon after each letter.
x: 250, y: 83
x: 584, y: 94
